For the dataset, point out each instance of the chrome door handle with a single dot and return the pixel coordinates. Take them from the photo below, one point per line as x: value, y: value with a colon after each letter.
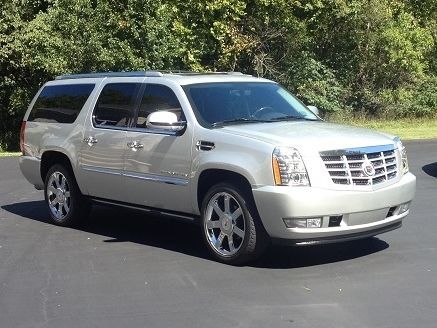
x: 135, y: 145
x: 90, y: 141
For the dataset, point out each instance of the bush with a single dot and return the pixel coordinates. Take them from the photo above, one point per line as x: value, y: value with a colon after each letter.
x: 315, y: 84
x: 418, y: 100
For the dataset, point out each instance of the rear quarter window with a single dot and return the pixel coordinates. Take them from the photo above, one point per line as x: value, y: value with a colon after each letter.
x: 60, y: 103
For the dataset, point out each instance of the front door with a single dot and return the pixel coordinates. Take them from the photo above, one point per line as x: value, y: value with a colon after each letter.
x: 157, y: 165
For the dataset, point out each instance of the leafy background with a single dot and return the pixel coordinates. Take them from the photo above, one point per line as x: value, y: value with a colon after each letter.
x: 371, y: 58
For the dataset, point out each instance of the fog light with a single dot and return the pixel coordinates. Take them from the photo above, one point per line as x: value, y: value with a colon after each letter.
x: 404, y: 207
x: 303, y: 223
x: 295, y: 223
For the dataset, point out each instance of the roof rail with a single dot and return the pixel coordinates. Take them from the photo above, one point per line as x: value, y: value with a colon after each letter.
x: 188, y: 73
x: 184, y: 72
x: 235, y: 73
x: 140, y: 74
x: 110, y: 74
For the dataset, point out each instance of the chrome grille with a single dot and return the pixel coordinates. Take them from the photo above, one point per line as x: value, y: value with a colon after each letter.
x: 348, y: 167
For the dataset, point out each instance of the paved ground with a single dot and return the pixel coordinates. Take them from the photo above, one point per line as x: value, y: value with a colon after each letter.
x: 126, y: 270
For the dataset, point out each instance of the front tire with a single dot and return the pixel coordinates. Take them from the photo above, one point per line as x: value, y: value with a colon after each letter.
x: 231, y: 227
x: 66, y: 205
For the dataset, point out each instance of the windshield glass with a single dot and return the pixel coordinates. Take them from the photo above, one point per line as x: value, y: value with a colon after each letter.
x: 217, y: 104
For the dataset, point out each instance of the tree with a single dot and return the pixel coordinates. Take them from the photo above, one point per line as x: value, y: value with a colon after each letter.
x: 76, y: 36
x: 373, y: 56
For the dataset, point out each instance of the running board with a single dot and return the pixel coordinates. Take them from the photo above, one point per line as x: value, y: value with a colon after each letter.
x: 150, y: 210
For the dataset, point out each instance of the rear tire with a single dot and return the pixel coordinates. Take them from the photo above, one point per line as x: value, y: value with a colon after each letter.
x: 65, y: 202
x: 231, y: 227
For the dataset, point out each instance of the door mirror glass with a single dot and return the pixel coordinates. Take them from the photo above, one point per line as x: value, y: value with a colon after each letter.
x: 314, y: 109
x: 165, y: 120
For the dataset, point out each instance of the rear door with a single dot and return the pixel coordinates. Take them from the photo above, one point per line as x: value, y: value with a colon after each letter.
x: 157, y: 172
x: 104, y: 145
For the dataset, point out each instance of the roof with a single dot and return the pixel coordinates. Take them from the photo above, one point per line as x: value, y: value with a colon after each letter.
x: 181, y: 77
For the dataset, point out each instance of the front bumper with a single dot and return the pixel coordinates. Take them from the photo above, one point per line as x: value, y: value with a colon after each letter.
x: 365, y: 213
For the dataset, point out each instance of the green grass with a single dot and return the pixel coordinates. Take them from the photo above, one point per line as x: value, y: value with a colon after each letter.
x: 9, y: 154
x: 406, y: 129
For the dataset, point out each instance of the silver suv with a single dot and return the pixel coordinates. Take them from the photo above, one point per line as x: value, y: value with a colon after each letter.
x: 239, y: 154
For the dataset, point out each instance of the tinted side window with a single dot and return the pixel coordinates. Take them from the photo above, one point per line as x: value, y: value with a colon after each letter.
x: 60, y: 103
x: 115, y: 105
x: 157, y: 97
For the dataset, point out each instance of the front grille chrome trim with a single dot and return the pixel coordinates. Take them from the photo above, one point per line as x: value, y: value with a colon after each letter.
x: 358, y: 151
x: 344, y: 166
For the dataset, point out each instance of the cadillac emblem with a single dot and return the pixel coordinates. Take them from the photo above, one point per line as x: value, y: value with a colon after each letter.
x: 368, y: 168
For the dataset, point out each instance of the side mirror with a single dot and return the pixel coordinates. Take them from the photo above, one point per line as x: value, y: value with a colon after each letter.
x: 314, y: 109
x: 165, y: 121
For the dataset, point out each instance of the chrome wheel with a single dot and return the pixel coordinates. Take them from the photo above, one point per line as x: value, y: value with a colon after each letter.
x: 58, y: 195
x: 225, y: 227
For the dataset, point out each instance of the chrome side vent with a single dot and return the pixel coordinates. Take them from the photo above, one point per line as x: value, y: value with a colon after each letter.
x: 205, y: 145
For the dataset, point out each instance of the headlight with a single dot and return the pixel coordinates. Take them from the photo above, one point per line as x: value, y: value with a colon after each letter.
x: 289, y: 168
x: 403, y: 152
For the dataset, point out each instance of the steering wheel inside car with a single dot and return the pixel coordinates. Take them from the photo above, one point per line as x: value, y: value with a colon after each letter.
x: 263, y: 109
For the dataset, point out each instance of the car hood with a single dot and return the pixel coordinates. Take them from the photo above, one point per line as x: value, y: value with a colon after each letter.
x: 305, y: 135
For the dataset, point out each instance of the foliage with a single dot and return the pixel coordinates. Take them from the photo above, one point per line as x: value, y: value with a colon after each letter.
x: 416, y: 100
x: 376, y: 57
x: 42, y: 39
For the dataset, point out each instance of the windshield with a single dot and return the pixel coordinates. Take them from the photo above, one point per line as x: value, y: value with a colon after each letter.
x: 222, y: 103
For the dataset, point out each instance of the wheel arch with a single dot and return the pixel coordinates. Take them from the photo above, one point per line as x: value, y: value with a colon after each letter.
x: 212, y: 176
x: 53, y: 157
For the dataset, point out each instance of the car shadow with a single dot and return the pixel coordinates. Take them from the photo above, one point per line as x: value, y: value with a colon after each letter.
x: 122, y: 225
x: 281, y: 257
x: 430, y: 169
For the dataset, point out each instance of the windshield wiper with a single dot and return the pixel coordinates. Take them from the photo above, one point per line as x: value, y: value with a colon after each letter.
x: 292, y: 117
x: 236, y: 121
